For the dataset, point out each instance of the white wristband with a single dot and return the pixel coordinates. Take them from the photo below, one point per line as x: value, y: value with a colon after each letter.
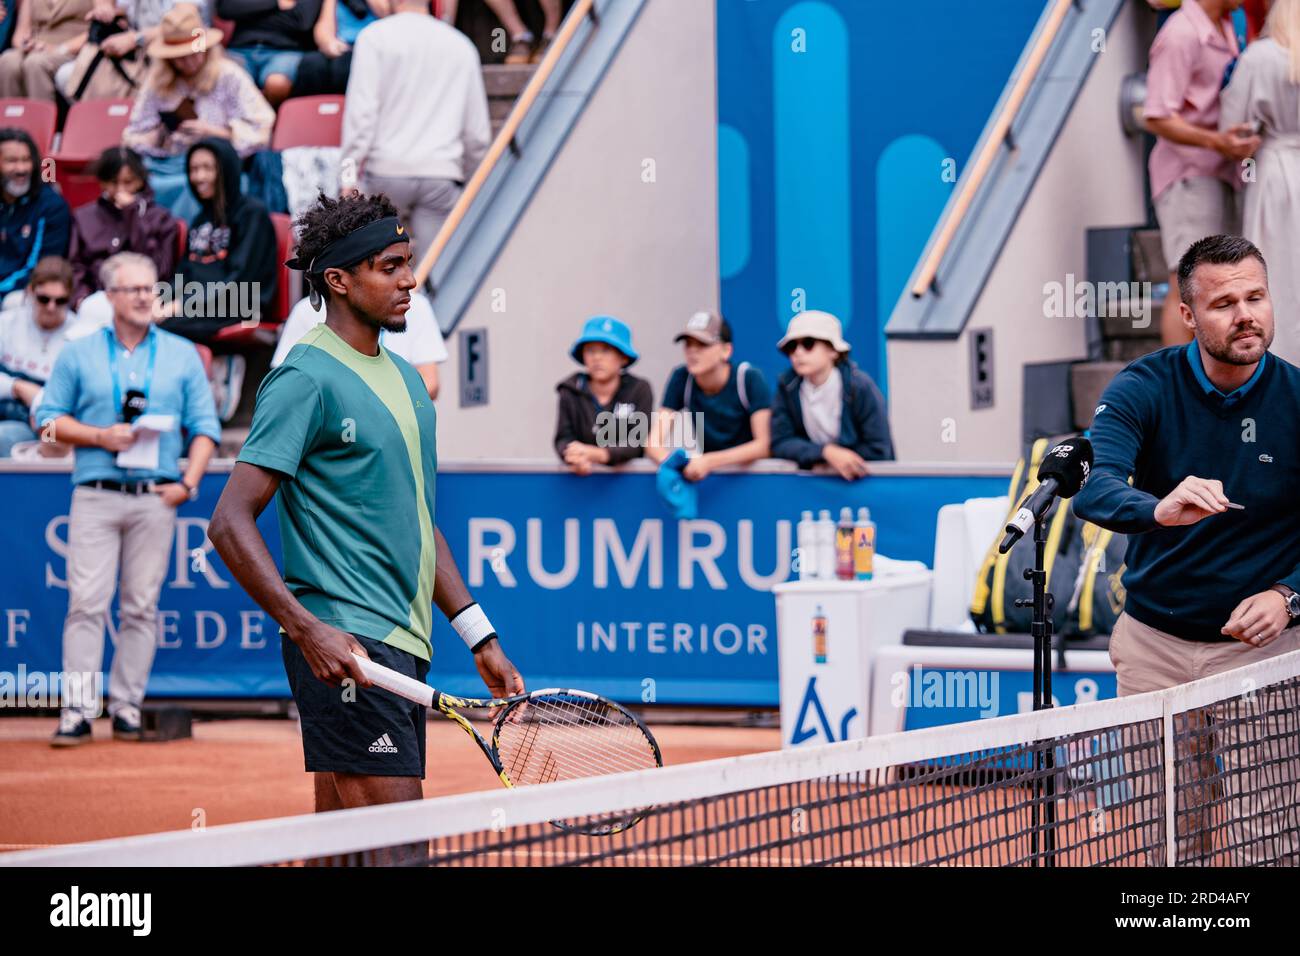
x: 473, y: 626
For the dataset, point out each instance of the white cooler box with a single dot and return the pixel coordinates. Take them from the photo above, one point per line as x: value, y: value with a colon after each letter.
x: 830, y: 701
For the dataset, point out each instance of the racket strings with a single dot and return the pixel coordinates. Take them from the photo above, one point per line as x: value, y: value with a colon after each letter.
x: 560, y: 737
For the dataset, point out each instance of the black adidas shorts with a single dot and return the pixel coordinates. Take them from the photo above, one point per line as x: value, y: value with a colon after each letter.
x: 378, y: 734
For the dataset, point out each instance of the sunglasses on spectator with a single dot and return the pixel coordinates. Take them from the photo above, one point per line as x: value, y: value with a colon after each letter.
x: 56, y: 299
x: 808, y: 343
x: 132, y: 289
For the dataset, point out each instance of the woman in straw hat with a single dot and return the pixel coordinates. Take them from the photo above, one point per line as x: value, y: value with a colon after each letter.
x: 193, y: 91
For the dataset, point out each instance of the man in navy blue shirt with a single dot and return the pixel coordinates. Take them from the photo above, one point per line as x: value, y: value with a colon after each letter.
x: 34, y: 219
x: 1210, y: 434
x: 124, y: 505
x: 732, y: 402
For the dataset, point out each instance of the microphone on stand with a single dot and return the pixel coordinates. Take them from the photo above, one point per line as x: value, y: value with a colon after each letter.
x: 1063, y: 471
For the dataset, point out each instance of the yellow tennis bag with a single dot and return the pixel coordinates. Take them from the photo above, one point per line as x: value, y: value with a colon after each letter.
x: 1083, y: 561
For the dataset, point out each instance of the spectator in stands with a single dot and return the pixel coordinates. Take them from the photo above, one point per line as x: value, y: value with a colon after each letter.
x: 421, y: 343
x: 1265, y: 93
x: 1193, y: 165
x: 270, y: 39
x: 230, y: 240
x: 524, y: 46
x: 604, y: 414
x: 125, y: 218
x: 34, y: 219
x: 47, y: 34
x: 734, y: 401
x: 326, y: 69
x: 121, y: 32
x: 826, y: 409
x: 124, y: 513
x: 231, y: 259
x: 189, y: 96
x: 31, y: 337
x: 416, y: 120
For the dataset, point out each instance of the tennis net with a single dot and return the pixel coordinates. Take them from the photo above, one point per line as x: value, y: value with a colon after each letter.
x: 1207, y: 773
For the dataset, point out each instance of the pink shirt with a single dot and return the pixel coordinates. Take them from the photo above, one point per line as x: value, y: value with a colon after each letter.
x: 1188, y: 60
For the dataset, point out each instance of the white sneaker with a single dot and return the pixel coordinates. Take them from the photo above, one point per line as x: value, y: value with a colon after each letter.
x: 73, y: 729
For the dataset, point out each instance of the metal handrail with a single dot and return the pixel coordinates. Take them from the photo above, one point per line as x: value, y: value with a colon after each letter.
x: 506, y: 137
x: 980, y: 168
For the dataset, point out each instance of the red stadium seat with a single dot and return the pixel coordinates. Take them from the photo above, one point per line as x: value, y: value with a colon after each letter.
x: 227, y: 29
x: 234, y: 337
x: 92, y: 126
x: 205, y: 354
x: 37, y: 117
x: 309, y: 121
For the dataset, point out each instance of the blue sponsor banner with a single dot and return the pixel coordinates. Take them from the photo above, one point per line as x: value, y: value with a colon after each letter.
x: 588, y: 581
x: 938, y: 696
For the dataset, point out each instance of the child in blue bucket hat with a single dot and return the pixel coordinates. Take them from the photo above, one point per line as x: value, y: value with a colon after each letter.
x: 604, y: 411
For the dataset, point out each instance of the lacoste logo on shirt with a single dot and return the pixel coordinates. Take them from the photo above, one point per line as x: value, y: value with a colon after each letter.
x: 384, y: 745
x: 1267, y: 458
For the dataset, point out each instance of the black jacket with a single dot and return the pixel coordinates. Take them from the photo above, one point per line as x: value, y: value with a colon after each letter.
x: 864, y: 420
x: 262, y: 21
x: 578, y: 411
x: 238, y: 246
x: 35, y: 226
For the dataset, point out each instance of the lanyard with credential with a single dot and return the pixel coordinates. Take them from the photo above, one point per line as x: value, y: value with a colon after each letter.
x: 112, y: 365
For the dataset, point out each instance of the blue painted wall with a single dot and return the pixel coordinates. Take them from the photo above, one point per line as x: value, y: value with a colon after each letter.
x: 835, y: 118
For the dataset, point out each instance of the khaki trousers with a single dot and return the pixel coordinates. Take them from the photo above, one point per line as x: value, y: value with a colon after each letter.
x: 1238, y: 761
x: 116, y: 542
x: 30, y: 75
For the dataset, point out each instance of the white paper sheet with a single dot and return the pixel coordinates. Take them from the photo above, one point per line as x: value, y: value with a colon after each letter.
x: 149, y: 430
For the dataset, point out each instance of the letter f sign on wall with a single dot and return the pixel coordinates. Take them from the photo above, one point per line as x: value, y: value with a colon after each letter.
x: 473, y: 367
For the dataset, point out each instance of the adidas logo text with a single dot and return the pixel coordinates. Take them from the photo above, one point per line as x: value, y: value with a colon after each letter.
x: 384, y: 745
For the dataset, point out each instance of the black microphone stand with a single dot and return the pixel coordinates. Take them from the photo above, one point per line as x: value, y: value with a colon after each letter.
x: 1044, y: 775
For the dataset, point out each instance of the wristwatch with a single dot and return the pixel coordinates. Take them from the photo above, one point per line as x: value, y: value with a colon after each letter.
x: 1292, y: 601
x: 194, y: 492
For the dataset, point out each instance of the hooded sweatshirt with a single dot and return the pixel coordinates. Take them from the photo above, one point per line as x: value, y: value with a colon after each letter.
x: 576, y: 419
x: 238, y: 247
x: 100, y: 230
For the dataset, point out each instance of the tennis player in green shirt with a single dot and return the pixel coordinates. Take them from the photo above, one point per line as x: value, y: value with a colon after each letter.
x: 345, y: 432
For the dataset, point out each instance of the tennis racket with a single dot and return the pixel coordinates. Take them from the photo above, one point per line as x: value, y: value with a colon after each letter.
x: 544, y: 736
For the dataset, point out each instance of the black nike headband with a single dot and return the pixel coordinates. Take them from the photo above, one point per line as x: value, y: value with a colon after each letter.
x: 360, y: 244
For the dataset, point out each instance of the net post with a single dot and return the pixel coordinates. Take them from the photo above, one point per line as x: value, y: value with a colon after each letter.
x: 1171, y: 798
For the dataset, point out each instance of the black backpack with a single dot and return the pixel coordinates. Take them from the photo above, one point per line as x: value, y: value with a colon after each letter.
x: 1084, y: 561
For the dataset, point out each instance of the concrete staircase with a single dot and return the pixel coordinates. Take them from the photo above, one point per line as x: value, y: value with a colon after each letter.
x: 1123, y: 337
x: 504, y: 84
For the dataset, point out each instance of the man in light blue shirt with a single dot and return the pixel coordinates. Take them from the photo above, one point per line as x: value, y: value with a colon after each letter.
x: 101, y: 384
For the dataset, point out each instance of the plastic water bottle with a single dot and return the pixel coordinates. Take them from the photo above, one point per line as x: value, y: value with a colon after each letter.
x: 844, y: 545
x: 864, y: 544
x: 819, y: 636
x: 825, y: 545
x: 806, y: 536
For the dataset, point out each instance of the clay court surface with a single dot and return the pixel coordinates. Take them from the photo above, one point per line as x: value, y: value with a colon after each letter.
x: 231, y: 770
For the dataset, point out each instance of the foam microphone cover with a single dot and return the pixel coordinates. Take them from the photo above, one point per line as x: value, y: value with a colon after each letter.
x: 1069, y: 463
